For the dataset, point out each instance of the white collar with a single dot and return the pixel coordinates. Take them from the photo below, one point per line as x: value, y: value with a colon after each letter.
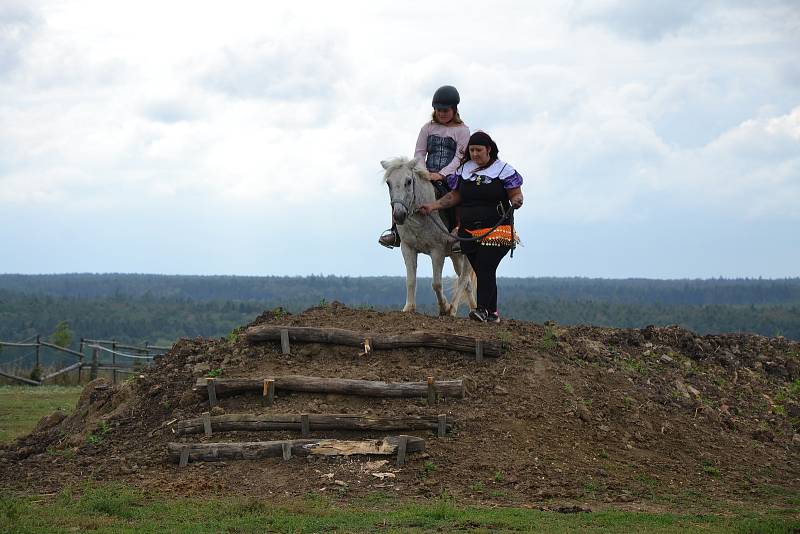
x: 498, y: 169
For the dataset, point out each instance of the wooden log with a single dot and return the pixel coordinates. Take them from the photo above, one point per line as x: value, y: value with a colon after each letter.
x: 305, y: 425
x: 21, y: 379
x: 320, y: 422
x: 338, y: 336
x: 76, y: 365
x: 210, y: 452
x: 342, y: 386
x: 62, y: 349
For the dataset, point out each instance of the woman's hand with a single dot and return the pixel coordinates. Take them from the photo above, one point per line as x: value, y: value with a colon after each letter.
x: 515, y: 197
x: 435, y: 177
x: 427, y: 209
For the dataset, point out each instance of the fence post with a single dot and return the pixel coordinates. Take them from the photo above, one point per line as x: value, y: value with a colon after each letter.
x: 93, y: 372
x: 37, y: 352
x: 80, y: 369
x: 114, y: 361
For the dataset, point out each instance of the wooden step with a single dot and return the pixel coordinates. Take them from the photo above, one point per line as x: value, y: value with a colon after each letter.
x: 210, y: 452
x: 258, y: 422
x: 342, y: 386
x: 352, y: 338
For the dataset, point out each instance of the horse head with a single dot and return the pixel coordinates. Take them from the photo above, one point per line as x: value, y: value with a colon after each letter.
x: 401, y: 178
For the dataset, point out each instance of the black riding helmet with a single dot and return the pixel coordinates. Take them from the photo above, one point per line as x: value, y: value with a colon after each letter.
x: 446, y: 97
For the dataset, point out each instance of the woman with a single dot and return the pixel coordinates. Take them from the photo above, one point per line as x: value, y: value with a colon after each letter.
x: 485, y: 188
x: 441, y: 144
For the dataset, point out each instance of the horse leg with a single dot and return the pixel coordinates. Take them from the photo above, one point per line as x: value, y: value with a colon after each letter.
x: 472, y: 294
x: 437, y: 261
x: 410, y: 257
x: 461, y: 283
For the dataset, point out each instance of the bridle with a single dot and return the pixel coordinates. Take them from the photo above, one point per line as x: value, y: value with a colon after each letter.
x: 408, y: 208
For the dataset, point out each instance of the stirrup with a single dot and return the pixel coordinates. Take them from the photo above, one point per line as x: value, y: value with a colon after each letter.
x: 389, y: 239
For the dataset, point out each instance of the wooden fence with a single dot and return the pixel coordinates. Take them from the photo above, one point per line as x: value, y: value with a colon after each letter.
x: 120, y: 353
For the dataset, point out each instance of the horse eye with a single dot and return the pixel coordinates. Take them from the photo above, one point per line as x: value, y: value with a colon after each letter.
x: 408, y: 182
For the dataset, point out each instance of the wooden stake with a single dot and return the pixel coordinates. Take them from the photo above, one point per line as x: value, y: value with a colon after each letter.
x: 305, y: 425
x: 285, y: 347
x: 401, y: 451
x: 207, y: 423
x: 212, y: 392
x: 184, y: 461
x: 478, y: 350
x: 367, y: 347
x: 431, y: 391
x: 442, y: 425
x: 269, y: 391
x: 287, y: 450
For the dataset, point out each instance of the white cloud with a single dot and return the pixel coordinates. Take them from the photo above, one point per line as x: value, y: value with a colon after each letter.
x: 284, y: 109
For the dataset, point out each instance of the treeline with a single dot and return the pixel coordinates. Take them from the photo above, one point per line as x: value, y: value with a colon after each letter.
x: 161, y: 309
x: 390, y: 291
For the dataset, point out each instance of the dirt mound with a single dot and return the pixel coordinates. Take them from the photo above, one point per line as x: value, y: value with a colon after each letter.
x: 658, y: 417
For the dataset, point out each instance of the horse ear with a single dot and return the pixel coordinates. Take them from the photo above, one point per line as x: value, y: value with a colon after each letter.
x: 385, y: 164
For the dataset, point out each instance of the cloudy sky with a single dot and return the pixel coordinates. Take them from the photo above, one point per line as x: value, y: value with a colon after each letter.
x: 657, y: 139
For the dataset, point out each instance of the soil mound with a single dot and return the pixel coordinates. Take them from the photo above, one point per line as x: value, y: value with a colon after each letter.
x: 658, y: 417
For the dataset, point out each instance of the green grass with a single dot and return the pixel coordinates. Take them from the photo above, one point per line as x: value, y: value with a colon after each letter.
x: 21, y: 407
x: 116, y: 508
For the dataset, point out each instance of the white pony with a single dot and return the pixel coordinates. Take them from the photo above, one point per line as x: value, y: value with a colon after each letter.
x: 409, y: 188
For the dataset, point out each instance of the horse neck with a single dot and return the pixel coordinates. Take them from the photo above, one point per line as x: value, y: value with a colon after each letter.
x: 425, y: 191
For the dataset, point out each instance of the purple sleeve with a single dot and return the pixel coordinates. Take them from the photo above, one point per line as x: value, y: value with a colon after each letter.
x: 515, y: 180
x: 452, y: 181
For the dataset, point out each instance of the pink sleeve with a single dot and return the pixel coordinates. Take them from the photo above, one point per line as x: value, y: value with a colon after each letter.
x: 421, y: 150
x: 462, y: 138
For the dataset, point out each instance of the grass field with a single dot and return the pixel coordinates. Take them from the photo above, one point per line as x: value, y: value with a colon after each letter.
x: 114, y: 508
x: 111, y: 507
x: 21, y: 407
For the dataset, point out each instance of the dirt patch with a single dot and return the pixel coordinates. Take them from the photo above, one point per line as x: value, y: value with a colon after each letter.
x: 657, y: 418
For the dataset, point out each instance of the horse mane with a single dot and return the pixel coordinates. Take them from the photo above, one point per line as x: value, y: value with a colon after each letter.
x: 414, y: 165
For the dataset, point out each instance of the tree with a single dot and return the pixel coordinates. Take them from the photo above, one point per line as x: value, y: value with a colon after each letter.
x: 62, y: 335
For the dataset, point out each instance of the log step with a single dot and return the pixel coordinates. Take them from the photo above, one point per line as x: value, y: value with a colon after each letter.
x: 258, y: 422
x: 352, y: 338
x: 342, y: 386
x: 210, y: 452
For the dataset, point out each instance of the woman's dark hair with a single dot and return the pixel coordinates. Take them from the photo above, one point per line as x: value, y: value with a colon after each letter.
x: 482, y: 139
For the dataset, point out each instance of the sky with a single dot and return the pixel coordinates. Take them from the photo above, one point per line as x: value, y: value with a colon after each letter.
x: 656, y: 139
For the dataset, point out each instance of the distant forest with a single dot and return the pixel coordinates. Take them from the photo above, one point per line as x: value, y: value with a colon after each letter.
x: 135, y: 308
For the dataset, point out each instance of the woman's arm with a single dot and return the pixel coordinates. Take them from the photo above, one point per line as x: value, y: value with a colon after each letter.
x: 515, y: 197
x: 453, y: 198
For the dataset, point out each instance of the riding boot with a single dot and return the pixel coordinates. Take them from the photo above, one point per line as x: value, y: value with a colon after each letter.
x: 390, y: 238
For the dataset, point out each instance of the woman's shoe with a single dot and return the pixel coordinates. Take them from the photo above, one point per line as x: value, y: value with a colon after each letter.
x: 478, y: 314
x: 493, y: 317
